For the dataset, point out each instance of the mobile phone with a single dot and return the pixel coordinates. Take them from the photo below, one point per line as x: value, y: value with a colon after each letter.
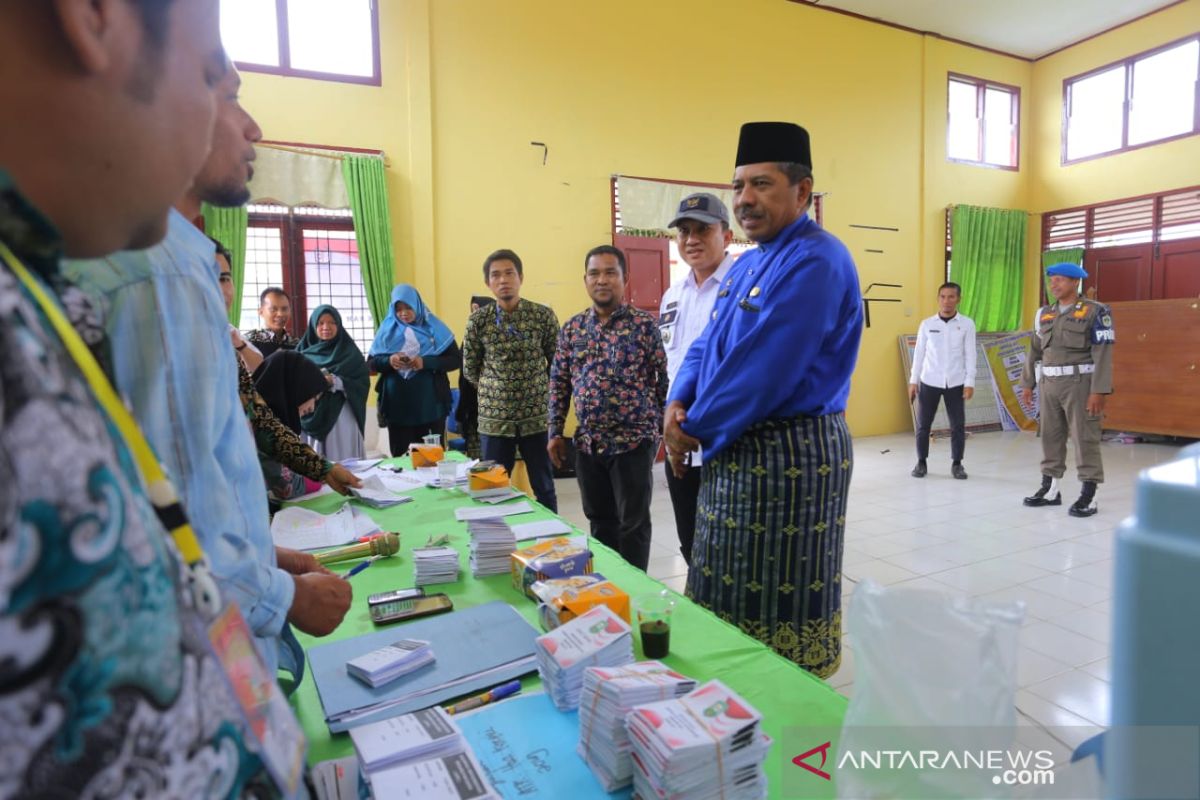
x: 379, y: 598
x: 400, y: 610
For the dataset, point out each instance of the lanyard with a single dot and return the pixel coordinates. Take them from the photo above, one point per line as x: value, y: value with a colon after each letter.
x: 158, y: 488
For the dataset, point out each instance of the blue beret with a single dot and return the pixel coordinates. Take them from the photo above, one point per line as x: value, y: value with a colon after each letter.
x: 1067, y: 270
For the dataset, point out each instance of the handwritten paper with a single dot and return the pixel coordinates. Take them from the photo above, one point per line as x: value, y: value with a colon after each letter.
x: 527, y: 748
x: 302, y: 529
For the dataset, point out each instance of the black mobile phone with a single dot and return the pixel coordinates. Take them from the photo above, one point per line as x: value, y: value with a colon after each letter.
x: 379, y: 598
x: 400, y: 610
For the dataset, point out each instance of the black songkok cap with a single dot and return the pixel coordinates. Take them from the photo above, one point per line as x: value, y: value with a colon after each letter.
x: 761, y: 142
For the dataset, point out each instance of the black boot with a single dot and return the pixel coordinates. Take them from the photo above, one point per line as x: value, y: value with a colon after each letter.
x: 1048, y: 495
x: 920, y: 469
x: 956, y: 469
x: 1085, y: 506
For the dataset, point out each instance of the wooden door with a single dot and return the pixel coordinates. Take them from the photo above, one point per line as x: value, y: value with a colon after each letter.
x: 648, y: 270
x: 1119, y: 273
x: 1177, y: 270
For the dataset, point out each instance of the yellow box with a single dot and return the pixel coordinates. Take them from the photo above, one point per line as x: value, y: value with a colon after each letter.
x: 494, y: 478
x: 564, y: 599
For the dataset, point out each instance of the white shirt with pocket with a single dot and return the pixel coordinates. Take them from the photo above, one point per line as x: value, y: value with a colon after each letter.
x: 684, y: 311
x: 945, y: 352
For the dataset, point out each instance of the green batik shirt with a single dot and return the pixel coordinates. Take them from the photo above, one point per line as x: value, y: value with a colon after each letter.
x: 507, y: 356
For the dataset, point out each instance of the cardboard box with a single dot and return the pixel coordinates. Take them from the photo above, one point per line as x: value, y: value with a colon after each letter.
x: 564, y: 599
x: 426, y: 455
x: 561, y: 557
x: 488, y: 482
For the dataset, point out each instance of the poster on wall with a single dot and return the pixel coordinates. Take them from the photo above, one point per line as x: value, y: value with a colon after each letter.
x: 1005, y: 358
x: 981, y: 411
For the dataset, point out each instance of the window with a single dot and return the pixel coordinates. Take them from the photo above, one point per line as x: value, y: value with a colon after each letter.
x: 1163, y: 217
x: 1144, y: 99
x: 983, y: 122
x: 324, y: 39
x: 312, y: 253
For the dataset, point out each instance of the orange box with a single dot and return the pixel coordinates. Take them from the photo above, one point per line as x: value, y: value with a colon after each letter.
x: 565, y: 599
x: 494, y: 478
x: 552, y: 558
x: 426, y: 455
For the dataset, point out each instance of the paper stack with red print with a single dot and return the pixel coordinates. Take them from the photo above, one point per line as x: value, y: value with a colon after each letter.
x: 598, y: 638
x: 706, y: 744
x: 608, y: 695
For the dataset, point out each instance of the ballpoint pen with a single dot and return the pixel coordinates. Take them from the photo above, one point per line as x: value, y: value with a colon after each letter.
x: 492, y: 695
x: 360, y: 567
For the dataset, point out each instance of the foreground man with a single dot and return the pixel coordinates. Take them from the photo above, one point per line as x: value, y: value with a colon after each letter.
x: 1073, y: 342
x: 108, y: 683
x: 763, y: 390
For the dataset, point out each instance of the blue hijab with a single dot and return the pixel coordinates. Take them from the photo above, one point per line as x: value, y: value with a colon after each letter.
x: 430, y: 331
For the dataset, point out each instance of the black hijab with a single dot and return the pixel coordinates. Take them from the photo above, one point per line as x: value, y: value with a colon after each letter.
x: 287, y: 380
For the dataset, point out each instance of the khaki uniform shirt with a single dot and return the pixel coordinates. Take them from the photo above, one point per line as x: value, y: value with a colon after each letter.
x: 1083, y: 334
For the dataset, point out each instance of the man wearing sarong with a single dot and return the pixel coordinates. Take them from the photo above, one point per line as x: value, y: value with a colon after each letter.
x: 764, y: 391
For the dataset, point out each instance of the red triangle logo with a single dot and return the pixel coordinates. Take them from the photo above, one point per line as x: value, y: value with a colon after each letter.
x: 824, y: 751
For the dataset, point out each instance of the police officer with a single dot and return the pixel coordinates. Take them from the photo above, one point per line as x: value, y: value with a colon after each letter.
x: 1073, y: 340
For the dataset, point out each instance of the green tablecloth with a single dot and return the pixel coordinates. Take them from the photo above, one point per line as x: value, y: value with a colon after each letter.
x: 702, y: 646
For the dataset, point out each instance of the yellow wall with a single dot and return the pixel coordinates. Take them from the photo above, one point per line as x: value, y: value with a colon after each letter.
x: 660, y: 89
x: 1143, y: 171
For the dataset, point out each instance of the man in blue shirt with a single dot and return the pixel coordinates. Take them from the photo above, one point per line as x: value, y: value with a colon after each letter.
x: 764, y: 389
x: 172, y: 361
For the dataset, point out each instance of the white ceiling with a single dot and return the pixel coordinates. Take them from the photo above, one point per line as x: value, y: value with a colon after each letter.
x: 1029, y: 28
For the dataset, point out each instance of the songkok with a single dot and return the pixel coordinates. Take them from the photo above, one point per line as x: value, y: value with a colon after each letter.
x: 761, y: 142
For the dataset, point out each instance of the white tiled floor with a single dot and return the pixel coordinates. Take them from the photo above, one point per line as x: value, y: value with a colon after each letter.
x: 975, y: 536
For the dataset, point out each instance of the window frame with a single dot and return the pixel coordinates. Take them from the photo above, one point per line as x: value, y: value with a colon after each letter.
x: 291, y: 226
x: 981, y: 86
x: 1127, y: 64
x: 285, y: 69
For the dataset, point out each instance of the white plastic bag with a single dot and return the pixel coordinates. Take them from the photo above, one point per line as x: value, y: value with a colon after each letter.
x: 935, y: 672
x: 411, y: 349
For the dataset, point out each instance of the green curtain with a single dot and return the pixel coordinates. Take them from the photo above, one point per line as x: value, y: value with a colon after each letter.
x: 228, y: 226
x: 987, y: 259
x: 367, y: 188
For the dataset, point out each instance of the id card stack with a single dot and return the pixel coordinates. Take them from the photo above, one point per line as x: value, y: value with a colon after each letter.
x: 598, y: 638
x: 704, y: 745
x: 608, y: 696
x: 492, y: 542
x: 381, y: 667
x: 434, y: 565
x: 406, y: 739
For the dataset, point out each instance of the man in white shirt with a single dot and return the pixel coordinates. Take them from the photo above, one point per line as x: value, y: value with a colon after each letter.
x: 703, y: 234
x: 943, y: 368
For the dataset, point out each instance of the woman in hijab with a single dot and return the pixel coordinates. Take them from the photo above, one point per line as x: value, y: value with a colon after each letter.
x: 291, y: 385
x: 335, y: 428
x: 412, y: 352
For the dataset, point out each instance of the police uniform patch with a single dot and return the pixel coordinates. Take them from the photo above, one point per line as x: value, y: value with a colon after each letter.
x: 666, y: 336
x: 1106, y: 321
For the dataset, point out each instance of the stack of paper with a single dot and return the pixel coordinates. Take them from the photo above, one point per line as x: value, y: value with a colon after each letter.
x: 492, y: 542
x: 608, y: 696
x: 430, y: 733
x: 382, y: 666
x: 456, y: 777
x: 303, y: 529
x: 375, y: 493
x: 468, y: 513
x: 598, y: 638
x: 540, y: 529
x: 704, y: 745
x: 435, y: 565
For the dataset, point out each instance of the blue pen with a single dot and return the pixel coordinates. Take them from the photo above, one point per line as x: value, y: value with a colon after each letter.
x: 492, y: 695
x: 360, y: 567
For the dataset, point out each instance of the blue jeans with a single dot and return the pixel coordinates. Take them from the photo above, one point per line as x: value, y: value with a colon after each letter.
x: 503, y: 450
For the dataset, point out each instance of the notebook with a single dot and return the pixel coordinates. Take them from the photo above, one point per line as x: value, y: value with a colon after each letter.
x: 476, y: 648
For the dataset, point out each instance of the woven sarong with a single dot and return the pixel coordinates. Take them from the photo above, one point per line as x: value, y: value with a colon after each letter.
x: 770, y: 526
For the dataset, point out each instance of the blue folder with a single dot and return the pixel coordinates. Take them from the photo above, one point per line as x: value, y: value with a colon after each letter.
x: 464, y: 643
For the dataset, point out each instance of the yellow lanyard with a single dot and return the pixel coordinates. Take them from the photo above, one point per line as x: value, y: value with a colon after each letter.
x: 158, y: 488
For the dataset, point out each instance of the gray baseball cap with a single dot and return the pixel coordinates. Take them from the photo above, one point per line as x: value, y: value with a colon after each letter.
x: 702, y: 207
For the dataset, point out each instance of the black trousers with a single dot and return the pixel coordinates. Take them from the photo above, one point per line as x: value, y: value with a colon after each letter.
x: 503, y: 450
x: 401, y: 436
x: 685, y: 493
x: 927, y: 403
x: 616, y: 491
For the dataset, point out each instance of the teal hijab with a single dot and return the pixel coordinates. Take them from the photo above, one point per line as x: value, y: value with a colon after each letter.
x: 340, y: 356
